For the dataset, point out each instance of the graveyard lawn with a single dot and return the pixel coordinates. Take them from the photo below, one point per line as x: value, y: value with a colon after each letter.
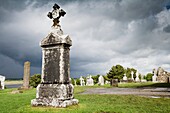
x: 143, y: 84
x: 20, y: 103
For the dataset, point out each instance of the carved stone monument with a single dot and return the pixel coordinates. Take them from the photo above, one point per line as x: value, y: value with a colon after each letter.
x: 26, y: 77
x: 55, y: 89
x: 90, y: 81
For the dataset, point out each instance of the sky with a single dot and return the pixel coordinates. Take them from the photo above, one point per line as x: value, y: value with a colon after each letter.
x: 132, y: 33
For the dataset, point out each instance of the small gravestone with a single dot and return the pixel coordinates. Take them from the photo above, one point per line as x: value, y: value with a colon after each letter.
x: 90, y: 81
x: 82, y: 83
x: 2, y: 84
x: 124, y: 77
x: 26, y: 75
x: 107, y: 82
x: 55, y: 88
x: 137, y: 77
x: 114, y: 82
x: 101, y: 80
x: 75, y: 84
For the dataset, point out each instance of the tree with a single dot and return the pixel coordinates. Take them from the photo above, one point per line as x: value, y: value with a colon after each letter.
x: 72, y: 81
x: 116, y: 72
x: 149, y: 77
x: 78, y: 81
x: 35, y: 80
x: 128, y: 72
x: 95, y: 79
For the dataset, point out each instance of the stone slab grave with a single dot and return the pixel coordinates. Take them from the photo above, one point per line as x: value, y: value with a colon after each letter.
x: 55, y: 89
x: 2, y: 84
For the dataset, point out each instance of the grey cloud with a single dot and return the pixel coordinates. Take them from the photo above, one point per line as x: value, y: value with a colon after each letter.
x: 104, y: 33
x: 167, y: 29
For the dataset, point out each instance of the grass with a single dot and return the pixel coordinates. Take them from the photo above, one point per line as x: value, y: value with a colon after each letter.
x: 20, y: 103
x: 143, y: 84
x: 9, y: 82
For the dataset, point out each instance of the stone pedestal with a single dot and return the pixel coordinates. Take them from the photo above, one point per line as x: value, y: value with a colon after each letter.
x: 55, y: 88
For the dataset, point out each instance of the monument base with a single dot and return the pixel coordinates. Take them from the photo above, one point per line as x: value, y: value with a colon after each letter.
x: 55, y: 95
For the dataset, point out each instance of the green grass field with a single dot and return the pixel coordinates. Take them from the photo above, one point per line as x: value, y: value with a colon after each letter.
x: 20, y: 103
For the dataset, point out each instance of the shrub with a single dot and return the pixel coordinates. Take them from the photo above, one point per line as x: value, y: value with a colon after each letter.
x: 35, y: 80
x: 149, y: 77
x: 78, y: 81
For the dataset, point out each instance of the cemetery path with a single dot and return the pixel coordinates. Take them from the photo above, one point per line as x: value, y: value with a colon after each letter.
x: 148, y: 92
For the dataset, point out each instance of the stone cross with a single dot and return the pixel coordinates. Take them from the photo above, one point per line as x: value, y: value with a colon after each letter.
x: 132, y: 75
x: 56, y: 14
x: 55, y: 89
x: 26, y: 75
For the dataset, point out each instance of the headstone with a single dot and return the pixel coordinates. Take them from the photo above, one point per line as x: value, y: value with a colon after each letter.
x: 137, y: 77
x: 75, y: 83
x: 82, y: 83
x: 89, y: 81
x: 125, y: 77
x: 114, y: 82
x: 132, y: 75
x: 154, y: 77
x: 26, y: 75
x: 107, y: 82
x: 101, y: 80
x: 2, y: 84
x: 55, y: 88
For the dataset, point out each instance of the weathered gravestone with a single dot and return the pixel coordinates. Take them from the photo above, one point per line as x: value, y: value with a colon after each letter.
x: 124, y: 77
x: 114, y: 82
x: 101, y: 80
x: 2, y: 79
x: 89, y: 81
x: 55, y: 89
x: 26, y: 76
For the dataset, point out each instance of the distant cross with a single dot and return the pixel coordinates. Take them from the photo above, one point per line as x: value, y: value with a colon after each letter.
x: 56, y: 14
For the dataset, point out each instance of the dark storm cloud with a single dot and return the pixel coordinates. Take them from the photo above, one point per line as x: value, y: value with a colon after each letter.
x: 167, y: 29
x: 133, y: 33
